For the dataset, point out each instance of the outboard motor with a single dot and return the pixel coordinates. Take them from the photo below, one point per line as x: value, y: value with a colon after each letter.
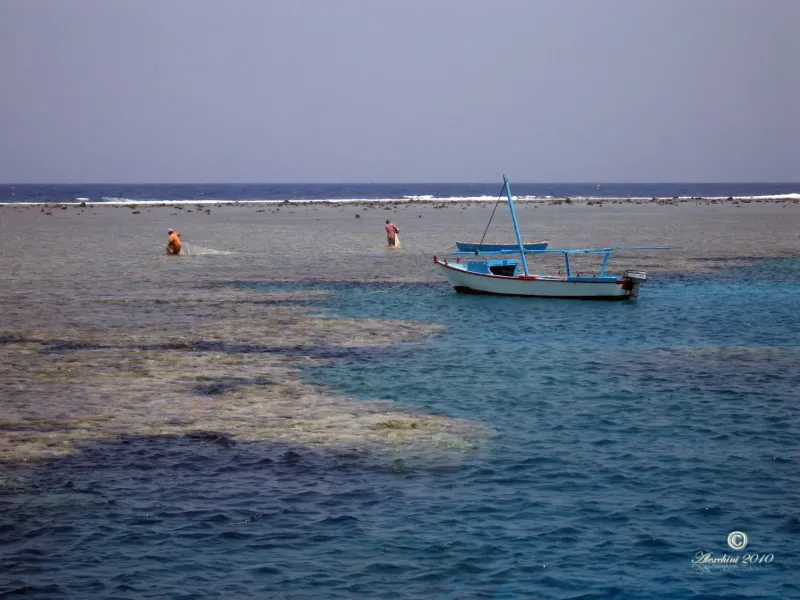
x: 633, y: 279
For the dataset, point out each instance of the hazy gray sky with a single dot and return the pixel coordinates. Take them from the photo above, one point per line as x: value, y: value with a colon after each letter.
x: 399, y: 91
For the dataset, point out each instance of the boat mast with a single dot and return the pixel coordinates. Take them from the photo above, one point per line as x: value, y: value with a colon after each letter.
x: 516, y: 227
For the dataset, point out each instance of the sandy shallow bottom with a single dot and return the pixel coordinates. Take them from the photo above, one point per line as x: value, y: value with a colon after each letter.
x: 104, y: 336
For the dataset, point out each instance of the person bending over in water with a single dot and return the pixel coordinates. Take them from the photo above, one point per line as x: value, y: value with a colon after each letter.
x: 391, y: 234
x: 173, y: 242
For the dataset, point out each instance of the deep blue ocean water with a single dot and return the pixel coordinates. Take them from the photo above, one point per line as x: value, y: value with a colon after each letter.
x: 629, y: 437
x: 367, y: 191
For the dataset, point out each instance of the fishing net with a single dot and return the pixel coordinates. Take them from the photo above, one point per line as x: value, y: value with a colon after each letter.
x: 195, y: 250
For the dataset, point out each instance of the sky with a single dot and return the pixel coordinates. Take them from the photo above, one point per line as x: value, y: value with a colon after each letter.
x: 282, y: 91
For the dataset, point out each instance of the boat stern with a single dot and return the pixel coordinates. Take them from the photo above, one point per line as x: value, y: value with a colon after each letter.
x: 633, y: 279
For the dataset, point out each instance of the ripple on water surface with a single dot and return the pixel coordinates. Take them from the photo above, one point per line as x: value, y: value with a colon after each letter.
x: 628, y: 438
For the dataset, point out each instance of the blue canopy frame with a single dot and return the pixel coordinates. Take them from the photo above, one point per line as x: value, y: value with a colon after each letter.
x: 605, y: 252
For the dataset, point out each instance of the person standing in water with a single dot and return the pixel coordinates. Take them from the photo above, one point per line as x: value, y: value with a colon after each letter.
x: 173, y: 242
x: 392, y: 232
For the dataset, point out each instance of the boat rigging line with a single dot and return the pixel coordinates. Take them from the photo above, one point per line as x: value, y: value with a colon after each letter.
x: 477, y: 251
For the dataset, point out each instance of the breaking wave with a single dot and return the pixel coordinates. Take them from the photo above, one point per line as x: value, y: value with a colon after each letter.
x: 423, y: 199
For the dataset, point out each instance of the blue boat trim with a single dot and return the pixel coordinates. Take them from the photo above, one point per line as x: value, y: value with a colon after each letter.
x: 543, y: 278
x: 468, y: 290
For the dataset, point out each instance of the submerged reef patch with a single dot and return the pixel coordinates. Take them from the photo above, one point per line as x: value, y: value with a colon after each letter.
x: 236, y: 373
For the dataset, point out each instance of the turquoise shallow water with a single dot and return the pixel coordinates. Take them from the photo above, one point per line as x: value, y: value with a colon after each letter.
x: 629, y: 437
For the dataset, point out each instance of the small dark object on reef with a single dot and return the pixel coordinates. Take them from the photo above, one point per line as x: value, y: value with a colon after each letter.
x: 397, y: 424
x: 358, y: 216
x: 210, y: 436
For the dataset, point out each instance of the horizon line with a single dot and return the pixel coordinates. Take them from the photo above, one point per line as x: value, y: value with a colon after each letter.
x: 519, y: 182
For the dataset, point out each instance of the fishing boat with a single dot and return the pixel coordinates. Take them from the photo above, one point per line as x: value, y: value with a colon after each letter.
x: 489, y: 247
x: 511, y: 277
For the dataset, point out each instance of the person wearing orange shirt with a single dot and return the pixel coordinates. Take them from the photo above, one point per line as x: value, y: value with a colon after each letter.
x: 173, y: 242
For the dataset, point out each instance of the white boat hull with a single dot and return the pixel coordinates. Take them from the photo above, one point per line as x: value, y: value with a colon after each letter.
x: 537, y: 286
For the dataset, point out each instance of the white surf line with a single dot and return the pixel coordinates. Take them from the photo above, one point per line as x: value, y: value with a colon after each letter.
x: 404, y: 200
